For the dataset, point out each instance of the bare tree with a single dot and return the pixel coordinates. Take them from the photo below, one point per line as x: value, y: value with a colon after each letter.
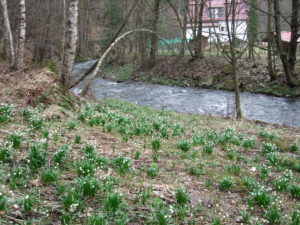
x: 287, y: 59
x: 70, y: 50
x: 10, y: 50
x: 154, y: 39
x: 22, y: 35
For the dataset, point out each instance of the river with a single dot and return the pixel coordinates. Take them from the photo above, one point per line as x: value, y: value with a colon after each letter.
x: 195, y: 100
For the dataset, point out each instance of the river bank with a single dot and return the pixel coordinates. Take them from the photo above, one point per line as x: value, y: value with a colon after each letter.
x: 213, y: 73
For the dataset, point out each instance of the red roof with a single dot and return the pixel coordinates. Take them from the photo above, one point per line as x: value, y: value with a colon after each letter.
x: 286, y: 36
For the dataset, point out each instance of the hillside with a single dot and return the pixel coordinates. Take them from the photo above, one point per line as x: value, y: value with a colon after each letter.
x: 66, y: 160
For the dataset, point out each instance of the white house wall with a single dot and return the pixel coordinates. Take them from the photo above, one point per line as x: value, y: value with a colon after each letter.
x: 211, y: 33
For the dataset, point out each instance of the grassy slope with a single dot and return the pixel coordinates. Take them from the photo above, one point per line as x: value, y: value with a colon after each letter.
x: 143, y: 166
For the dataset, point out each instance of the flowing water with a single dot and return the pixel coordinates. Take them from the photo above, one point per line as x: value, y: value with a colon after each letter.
x: 196, y: 100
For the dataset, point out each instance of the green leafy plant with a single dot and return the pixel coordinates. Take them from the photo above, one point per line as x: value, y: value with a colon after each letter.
x: 264, y: 134
x: 3, y: 202
x: 5, y: 112
x: 5, y: 155
x: 122, y: 164
x: 156, y: 144
x: 96, y: 219
x: 269, y: 147
x: 71, y: 199
x: 137, y: 154
x: 153, y: 170
x: 113, y: 202
x: 295, y: 191
x: 85, y: 168
x: 208, y: 149
x: 260, y: 197
x: 250, y: 182
x: 37, y: 157
x: 196, y: 170
x: 184, y: 145
x: 295, y: 220
x: 49, y: 176
x: 88, y: 186
x: 15, y: 140
x: 181, y: 196
x: 60, y: 154
x: 71, y: 125
x: 28, y: 203
x: 233, y: 169
x: 77, y: 139
x: 249, y: 143
x: 226, y: 183
x: 273, y: 158
x: 35, y: 122
x: 294, y: 148
x: 273, y: 215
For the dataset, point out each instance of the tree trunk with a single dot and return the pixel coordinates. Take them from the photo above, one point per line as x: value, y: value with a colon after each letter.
x: 70, y: 50
x: 283, y: 54
x: 184, y: 26
x: 10, y: 50
x: 198, y: 44
x: 233, y: 58
x: 154, y: 38
x: 294, y: 35
x: 22, y: 35
x: 272, y: 73
x: 63, y: 39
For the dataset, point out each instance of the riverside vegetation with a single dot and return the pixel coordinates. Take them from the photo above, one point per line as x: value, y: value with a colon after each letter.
x: 112, y: 162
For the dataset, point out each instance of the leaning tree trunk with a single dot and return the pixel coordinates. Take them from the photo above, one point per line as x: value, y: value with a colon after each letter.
x: 154, y: 39
x: 22, y: 35
x: 199, y: 46
x: 70, y: 50
x: 272, y: 73
x: 10, y: 50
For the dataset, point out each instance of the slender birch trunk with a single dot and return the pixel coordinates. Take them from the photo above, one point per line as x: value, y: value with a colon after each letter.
x: 8, y: 34
x: 272, y: 73
x: 70, y: 51
x: 22, y: 35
